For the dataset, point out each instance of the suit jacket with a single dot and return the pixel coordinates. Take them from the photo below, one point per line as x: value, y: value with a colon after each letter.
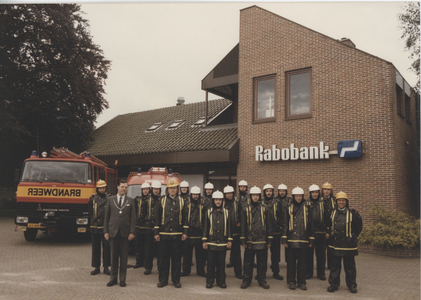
x: 124, y: 222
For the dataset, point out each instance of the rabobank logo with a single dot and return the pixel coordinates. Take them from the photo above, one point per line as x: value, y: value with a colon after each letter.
x: 350, y: 148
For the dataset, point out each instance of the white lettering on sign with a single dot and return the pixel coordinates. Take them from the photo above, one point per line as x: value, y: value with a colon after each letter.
x: 292, y: 153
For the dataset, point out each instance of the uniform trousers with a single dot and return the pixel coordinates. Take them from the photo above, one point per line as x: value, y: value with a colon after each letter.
x: 320, y: 249
x: 296, y: 265
x: 98, y: 239
x: 169, y: 249
x: 275, y: 253
x: 216, y: 266
x: 145, y: 248
x: 349, y: 267
x: 119, y: 255
x: 261, y: 257
x: 188, y: 256
x: 140, y: 245
x: 235, y: 256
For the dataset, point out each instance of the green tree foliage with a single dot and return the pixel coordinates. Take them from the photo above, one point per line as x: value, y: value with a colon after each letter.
x: 393, y: 229
x: 410, y: 25
x: 51, y: 81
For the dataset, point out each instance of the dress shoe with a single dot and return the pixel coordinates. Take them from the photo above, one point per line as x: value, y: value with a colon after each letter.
x: 353, y: 289
x: 302, y: 287
x: 244, y: 285
x: 291, y: 286
x: 322, y: 277
x: 229, y: 265
x: 209, y: 285
x: 201, y: 274
x: 184, y: 274
x: 332, y: 288
x: 147, y: 272
x: 277, y: 276
x: 162, y: 284
x: 123, y: 283
x: 96, y: 271
x: 177, y: 285
x: 240, y: 276
x: 222, y: 286
x: 264, y: 285
x: 111, y: 283
x: 107, y: 271
x: 137, y: 266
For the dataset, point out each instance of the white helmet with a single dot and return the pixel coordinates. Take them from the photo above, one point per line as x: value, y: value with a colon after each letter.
x: 208, y: 186
x: 268, y: 186
x: 314, y: 187
x: 195, y: 190
x: 156, y: 185
x: 297, y: 191
x: 146, y: 185
x: 184, y: 184
x: 255, y: 190
x: 228, y: 189
x: 282, y: 187
x: 242, y: 182
x: 217, y: 195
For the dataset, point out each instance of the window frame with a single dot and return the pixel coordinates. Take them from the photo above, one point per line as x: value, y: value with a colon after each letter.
x: 256, y: 80
x: 288, y: 75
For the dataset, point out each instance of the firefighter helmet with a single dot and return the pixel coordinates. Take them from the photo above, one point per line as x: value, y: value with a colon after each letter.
x: 146, y: 185
x: 327, y: 185
x: 282, y: 187
x: 156, y: 185
x: 217, y: 195
x: 314, y: 187
x: 341, y: 195
x: 228, y: 189
x: 184, y: 184
x: 101, y: 183
x: 195, y: 190
x: 297, y: 191
x: 208, y: 186
x: 242, y: 182
x: 268, y: 186
x: 172, y: 183
x: 255, y: 190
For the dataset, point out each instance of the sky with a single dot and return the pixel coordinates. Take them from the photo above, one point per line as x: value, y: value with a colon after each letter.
x: 162, y: 51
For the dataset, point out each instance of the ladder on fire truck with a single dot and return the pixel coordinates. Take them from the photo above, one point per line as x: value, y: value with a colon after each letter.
x: 66, y: 153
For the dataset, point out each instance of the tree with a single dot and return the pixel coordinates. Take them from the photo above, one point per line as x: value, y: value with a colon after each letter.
x: 410, y: 24
x: 51, y: 80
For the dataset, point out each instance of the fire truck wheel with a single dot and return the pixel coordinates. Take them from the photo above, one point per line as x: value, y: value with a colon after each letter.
x: 30, y: 234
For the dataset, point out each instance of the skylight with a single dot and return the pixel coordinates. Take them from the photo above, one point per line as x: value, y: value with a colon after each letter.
x: 155, y: 126
x: 175, y: 124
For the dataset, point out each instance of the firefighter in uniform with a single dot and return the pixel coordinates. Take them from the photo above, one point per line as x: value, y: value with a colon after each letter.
x: 297, y: 236
x: 344, y: 227
x: 141, y: 203
x: 284, y: 200
x: 329, y: 200
x: 207, y: 197
x: 170, y: 229
x: 256, y: 237
x: 318, y: 212
x: 195, y: 219
x: 273, y: 205
x: 184, y: 190
x: 97, y: 204
x: 216, y: 240
x: 234, y: 207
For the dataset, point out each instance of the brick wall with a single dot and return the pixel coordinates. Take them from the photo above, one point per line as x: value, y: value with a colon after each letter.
x: 353, y: 98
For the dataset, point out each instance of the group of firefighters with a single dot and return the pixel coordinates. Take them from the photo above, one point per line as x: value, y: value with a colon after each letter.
x: 182, y: 220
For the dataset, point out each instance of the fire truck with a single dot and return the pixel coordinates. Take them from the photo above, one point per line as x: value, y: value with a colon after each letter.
x: 135, y: 179
x: 53, y: 192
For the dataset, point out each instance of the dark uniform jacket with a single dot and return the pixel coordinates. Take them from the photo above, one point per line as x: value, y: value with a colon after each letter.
x: 297, y: 228
x: 256, y: 226
x: 244, y: 198
x: 234, y: 208
x: 171, y: 218
x: 319, y: 215
x: 344, y: 228
x: 96, y: 207
x: 217, y: 229
x: 329, y: 203
x: 275, y: 208
x: 145, y: 213
x: 195, y: 218
x: 207, y: 201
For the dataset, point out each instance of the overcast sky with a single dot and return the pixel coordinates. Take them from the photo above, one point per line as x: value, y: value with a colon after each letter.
x: 162, y: 51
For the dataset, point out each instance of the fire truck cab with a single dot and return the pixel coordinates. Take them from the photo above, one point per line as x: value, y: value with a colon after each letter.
x: 135, y: 179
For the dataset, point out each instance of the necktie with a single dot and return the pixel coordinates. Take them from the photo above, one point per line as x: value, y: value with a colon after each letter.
x: 120, y: 202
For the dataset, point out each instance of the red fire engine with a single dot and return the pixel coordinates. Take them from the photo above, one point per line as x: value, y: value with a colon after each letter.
x: 53, y: 192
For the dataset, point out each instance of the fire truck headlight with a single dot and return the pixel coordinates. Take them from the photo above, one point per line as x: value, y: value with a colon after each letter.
x: 82, y: 221
x: 49, y: 214
x: 21, y: 219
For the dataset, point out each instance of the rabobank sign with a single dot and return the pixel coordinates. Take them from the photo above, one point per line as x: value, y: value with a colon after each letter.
x: 350, y: 148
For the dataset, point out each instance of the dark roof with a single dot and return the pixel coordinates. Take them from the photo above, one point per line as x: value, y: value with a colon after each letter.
x: 127, y: 134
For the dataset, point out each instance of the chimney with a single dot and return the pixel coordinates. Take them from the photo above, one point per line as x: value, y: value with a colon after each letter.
x: 348, y: 42
x: 180, y: 101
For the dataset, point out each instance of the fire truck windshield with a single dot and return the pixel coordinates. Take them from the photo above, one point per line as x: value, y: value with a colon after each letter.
x: 57, y: 171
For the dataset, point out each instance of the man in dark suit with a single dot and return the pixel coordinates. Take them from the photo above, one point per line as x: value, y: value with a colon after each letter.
x: 119, y: 229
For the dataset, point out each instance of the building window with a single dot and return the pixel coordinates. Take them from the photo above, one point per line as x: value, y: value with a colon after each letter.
x: 154, y: 127
x: 199, y: 122
x: 407, y: 102
x: 175, y: 124
x: 298, y: 94
x: 264, y: 99
x: 399, y: 94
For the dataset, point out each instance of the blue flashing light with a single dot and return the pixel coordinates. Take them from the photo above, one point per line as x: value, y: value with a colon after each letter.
x: 34, y: 152
x: 139, y: 171
x: 170, y: 171
x: 87, y: 154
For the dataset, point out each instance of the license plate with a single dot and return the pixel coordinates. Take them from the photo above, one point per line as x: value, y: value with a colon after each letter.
x: 81, y: 229
x: 22, y: 228
x: 35, y: 225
